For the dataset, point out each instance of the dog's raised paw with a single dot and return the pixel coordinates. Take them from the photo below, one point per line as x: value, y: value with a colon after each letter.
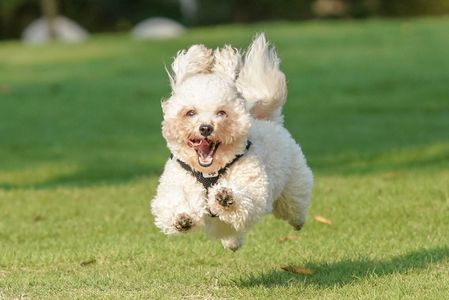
x: 183, y: 223
x: 224, y: 197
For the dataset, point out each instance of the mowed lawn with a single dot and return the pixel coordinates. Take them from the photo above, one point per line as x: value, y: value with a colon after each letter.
x: 81, y: 152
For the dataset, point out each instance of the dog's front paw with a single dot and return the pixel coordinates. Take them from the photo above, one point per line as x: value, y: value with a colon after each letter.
x: 183, y: 222
x: 224, y: 197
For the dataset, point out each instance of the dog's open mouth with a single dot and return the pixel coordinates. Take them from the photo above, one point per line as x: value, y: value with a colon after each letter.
x: 205, y: 149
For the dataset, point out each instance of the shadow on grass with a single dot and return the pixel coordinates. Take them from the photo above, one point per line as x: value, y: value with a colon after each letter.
x: 432, y: 156
x: 93, y: 174
x: 348, y: 271
x: 116, y: 170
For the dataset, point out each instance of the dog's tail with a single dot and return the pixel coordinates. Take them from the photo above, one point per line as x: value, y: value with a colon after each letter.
x: 261, y: 82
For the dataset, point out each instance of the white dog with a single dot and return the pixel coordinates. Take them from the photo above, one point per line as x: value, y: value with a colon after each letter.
x: 232, y: 160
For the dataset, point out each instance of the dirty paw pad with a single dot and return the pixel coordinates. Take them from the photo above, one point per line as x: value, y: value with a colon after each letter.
x: 224, y: 197
x: 183, y: 222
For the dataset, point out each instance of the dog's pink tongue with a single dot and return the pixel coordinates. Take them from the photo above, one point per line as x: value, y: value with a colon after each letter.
x: 204, y: 148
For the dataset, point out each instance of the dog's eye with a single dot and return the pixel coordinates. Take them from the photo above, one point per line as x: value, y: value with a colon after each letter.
x: 221, y: 113
x: 191, y: 113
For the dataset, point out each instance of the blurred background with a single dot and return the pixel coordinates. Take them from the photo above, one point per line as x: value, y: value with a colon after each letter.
x: 122, y: 15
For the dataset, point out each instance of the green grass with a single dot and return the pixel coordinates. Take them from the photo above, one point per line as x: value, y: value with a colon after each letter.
x: 81, y: 151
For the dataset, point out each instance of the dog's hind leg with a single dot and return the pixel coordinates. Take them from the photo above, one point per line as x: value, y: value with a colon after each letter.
x: 293, y: 203
x: 230, y: 238
x: 232, y: 243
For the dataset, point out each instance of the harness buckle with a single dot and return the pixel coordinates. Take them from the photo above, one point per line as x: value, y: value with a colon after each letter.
x: 210, y: 175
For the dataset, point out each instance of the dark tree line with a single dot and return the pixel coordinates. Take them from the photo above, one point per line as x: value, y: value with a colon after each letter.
x: 120, y: 15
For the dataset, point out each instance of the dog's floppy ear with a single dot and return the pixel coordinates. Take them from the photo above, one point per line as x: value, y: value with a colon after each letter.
x: 227, y: 62
x: 261, y: 82
x: 197, y: 59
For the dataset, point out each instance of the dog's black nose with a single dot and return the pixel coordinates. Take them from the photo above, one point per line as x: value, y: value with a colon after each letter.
x: 206, y: 130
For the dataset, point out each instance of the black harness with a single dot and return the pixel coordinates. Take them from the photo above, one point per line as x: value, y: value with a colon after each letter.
x: 208, y: 181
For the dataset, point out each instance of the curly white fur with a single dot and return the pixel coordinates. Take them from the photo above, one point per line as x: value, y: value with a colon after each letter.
x: 227, y: 62
x: 197, y: 59
x: 240, y: 102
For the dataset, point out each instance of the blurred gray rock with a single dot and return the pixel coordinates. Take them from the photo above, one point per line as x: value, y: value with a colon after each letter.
x: 66, y: 31
x: 157, y: 28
